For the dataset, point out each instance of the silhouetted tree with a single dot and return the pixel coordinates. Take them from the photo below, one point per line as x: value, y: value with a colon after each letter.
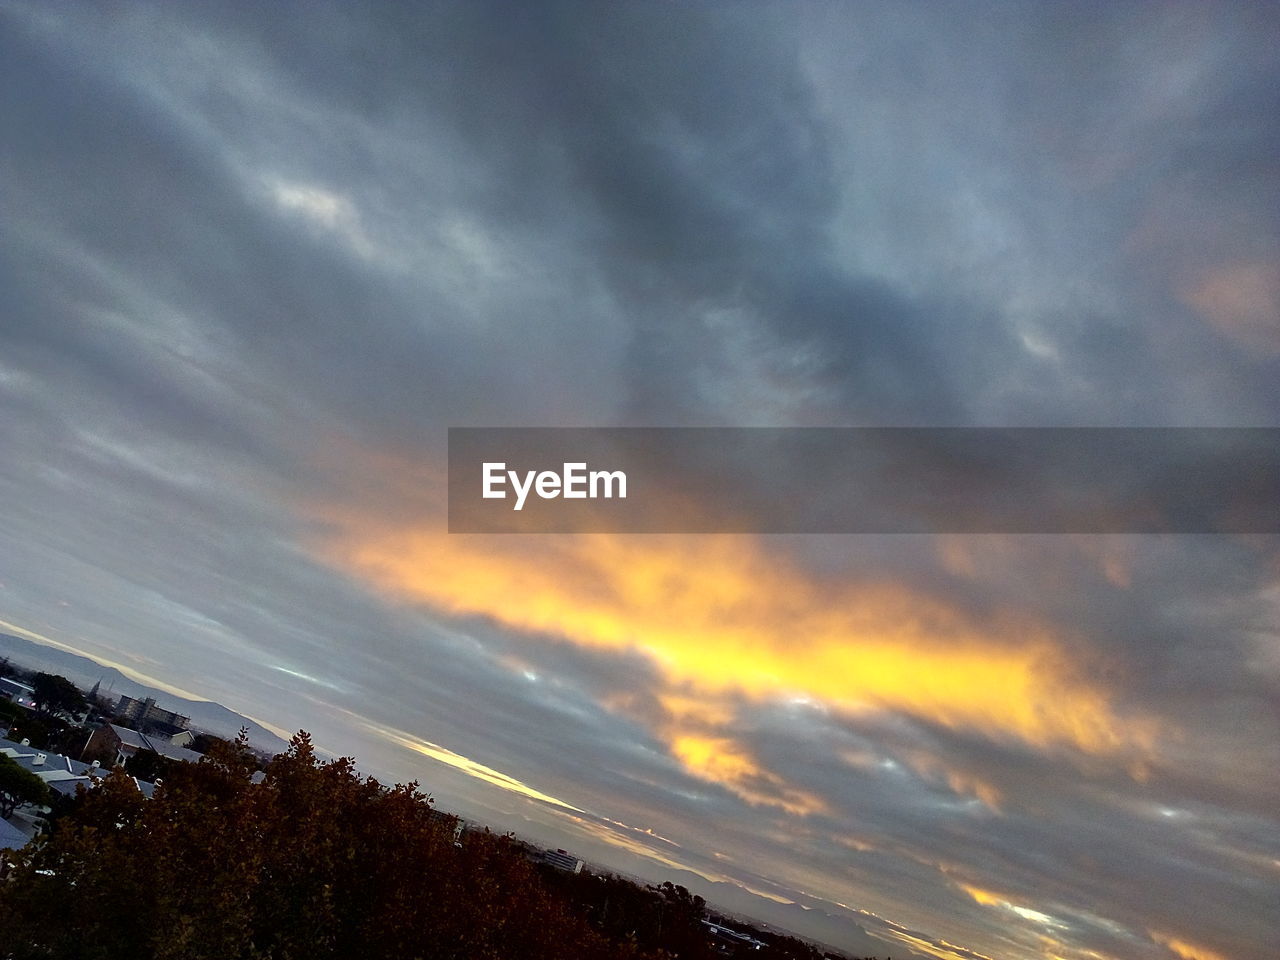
x: 18, y: 786
x: 11, y: 711
x: 204, y: 742
x: 315, y: 862
x: 55, y: 695
x: 149, y: 766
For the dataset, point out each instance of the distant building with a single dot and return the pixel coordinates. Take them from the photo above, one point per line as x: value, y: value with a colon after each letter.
x: 725, y: 937
x: 562, y: 861
x: 151, y: 718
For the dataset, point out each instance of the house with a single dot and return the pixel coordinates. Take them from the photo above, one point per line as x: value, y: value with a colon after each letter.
x: 112, y: 744
x: 62, y: 773
x: 183, y: 738
x: 59, y: 772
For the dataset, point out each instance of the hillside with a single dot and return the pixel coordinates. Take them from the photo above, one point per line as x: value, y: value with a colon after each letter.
x: 84, y: 671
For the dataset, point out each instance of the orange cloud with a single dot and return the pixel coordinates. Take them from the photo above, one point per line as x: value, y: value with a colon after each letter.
x: 940, y: 949
x: 1185, y: 950
x: 721, y: 760
x: 988, y: 899
x: 984, y: 897
x: 721, y: 619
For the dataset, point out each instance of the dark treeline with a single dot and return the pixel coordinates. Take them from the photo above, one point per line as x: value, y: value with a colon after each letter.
x: 315, y: 862
x: 666, y: 917
x: 52, y: 725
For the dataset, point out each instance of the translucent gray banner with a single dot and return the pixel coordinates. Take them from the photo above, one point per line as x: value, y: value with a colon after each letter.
x: 864, y: 480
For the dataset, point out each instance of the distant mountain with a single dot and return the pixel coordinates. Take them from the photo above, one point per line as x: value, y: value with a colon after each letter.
x: 84, y: 671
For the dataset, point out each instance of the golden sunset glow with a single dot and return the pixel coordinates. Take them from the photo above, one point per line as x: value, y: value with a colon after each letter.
x: 984, y: 897
x: 721, y: 760
x: 1185, y: 950
x: 988, y: 899
x: 468, y: 766
x: 942, y: 950
x: 718, y: 616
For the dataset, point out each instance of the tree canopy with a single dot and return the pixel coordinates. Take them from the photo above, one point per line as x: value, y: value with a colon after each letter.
x: 19, y: 786
x: 315, y: 862
x: 55, y: 694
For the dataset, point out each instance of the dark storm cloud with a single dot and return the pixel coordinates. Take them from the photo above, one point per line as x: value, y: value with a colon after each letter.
x: 709, y: 171
x: 696, y: 170
x: 201, y: 235
x: 254, y: 260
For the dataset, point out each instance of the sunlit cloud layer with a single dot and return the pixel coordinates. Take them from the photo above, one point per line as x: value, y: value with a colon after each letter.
x: 467, y: 766
x: 718, y: 614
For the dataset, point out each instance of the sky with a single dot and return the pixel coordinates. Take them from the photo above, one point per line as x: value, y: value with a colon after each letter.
x: 256, y: 259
